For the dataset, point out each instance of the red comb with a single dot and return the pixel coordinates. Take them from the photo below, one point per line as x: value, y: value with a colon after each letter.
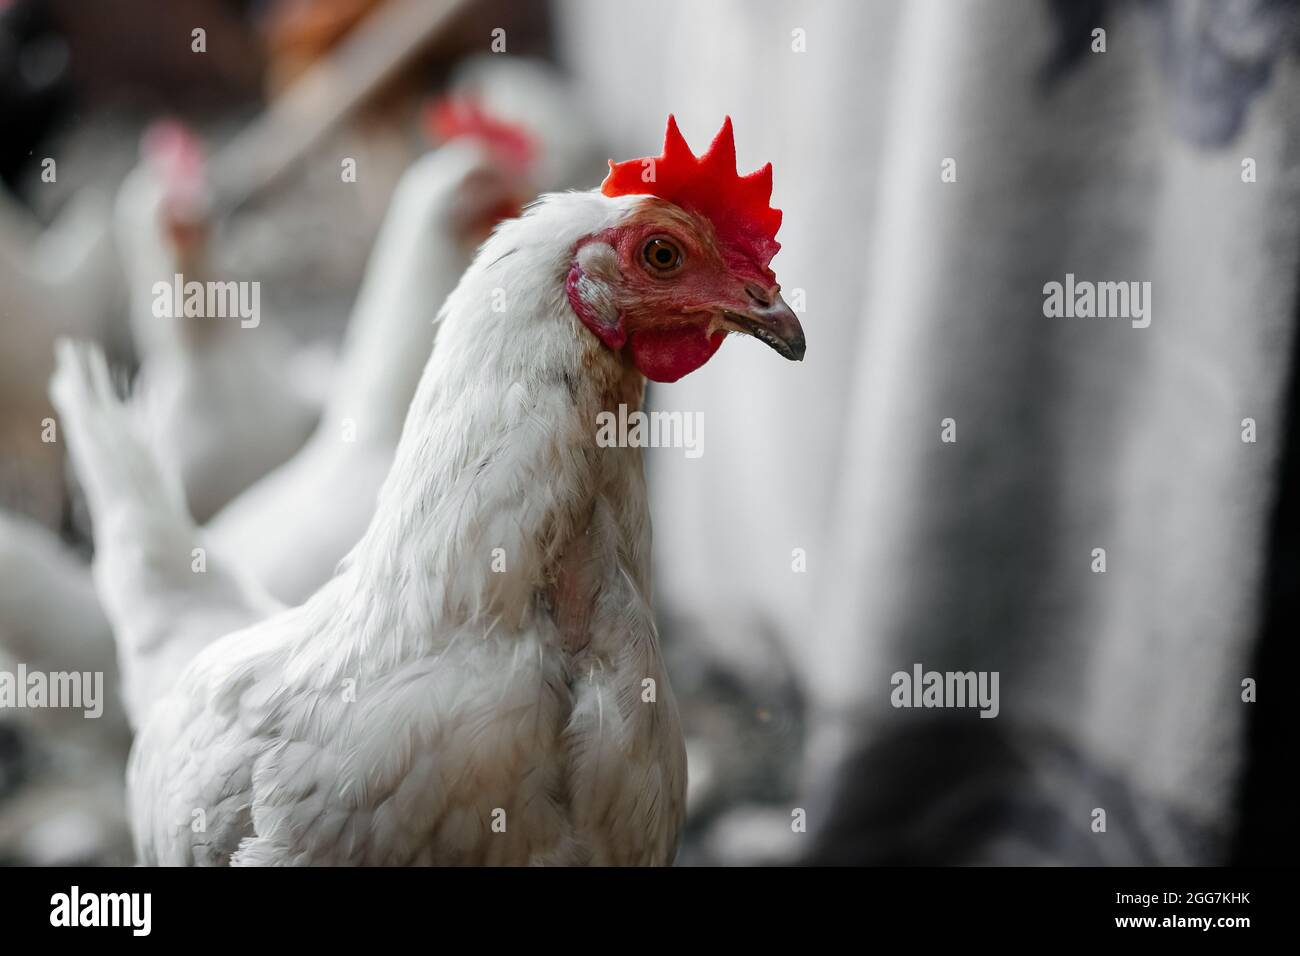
x: 709, y: 184
x: 451, y: 117
x: 175, y: 147
x: 178, y: 156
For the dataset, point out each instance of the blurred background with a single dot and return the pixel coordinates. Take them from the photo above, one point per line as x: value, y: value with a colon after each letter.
x: 938, y: 162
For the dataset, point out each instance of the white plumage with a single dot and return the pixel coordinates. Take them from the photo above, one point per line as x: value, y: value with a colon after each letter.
x: 274, y: 530
x: 470, y: 698
x: 438, y: 212
x: 165, y: 598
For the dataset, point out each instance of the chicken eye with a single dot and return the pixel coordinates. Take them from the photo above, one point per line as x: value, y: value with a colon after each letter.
x: 663, y: 255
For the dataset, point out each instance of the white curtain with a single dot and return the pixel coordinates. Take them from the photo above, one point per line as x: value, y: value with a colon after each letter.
x: 925, y: 302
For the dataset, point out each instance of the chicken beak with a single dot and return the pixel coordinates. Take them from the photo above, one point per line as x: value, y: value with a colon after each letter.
x: 773, y: 324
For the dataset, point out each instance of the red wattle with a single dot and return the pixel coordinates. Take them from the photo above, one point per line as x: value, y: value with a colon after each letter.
x: 665, y: 355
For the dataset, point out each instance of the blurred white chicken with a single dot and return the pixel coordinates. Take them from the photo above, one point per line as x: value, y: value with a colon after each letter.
x: 481, y: 682
x: 273, y: 531
x: 146, y: 542
x: 224, y: 404
x: 509, y: 127
x: 55, y: 281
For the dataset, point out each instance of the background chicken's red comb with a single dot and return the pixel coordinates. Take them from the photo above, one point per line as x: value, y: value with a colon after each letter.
x: 738, y: 206
x: 175, y: 147
x: 451, y: 117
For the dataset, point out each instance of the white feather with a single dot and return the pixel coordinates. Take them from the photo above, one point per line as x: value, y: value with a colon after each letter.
x: 164, y: 594
x: 420, y: 707
x: 291, y: 528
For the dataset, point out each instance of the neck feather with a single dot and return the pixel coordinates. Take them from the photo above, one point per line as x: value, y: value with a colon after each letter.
x: 497, y: 469
x: 416, y: 261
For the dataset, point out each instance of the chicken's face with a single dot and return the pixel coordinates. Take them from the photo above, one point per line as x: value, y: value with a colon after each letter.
x: 687, y: 264
x: 663, y: 285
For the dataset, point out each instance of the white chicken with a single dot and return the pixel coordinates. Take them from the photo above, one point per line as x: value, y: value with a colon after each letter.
x: 223, y: 403
x: 445, y: 204
x: 141, y: 528
x: 482, y: 680
x: 273, y: 532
